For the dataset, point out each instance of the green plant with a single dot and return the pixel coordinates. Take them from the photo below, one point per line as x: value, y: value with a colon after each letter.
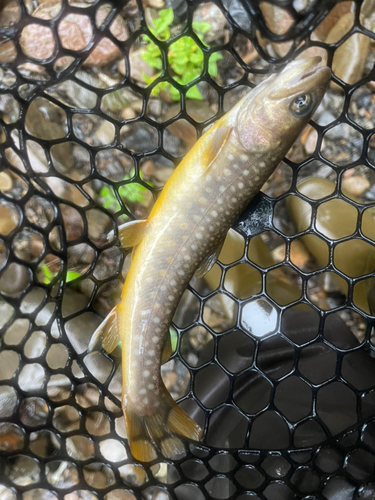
x: 72, y: 275
x: 129, y: 193
x: 185, y: 58
x: 174, y: 338
x: 49, y: 275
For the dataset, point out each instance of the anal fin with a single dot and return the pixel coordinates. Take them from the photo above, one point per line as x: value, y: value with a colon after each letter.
x: 209, y: 261
x: 106, y: 335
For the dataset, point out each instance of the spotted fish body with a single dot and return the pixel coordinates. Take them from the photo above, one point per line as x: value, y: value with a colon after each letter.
x: 184, y: 232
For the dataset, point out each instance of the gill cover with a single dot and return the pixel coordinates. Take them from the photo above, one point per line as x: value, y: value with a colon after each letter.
x: 250, y: 129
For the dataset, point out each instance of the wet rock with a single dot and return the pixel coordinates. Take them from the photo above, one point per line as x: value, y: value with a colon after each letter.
x: 279, y: 21
x: 335, y: 219
x: 210, y: 13
x: 106, y: 51
x: 72, y: 94
x: 80, y: 329
x: 6, y: 182
x: 75, y: 33
x: 8, y: 219
x: 238, y: 13
x: 355, y: 185
x: 336, y: 13
x: 10, y: 13
x: 158, y: 175
x: 37, y: 41
x: 14, y: 279
x: 137, y: 65
x: 8, y: 51
x: 350, y: 57
x: 42, y: 117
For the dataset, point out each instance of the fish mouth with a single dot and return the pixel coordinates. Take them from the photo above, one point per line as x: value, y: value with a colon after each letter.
x: 300, y: 76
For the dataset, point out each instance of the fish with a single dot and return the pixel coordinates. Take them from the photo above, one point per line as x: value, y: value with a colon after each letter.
x: 183, y: 236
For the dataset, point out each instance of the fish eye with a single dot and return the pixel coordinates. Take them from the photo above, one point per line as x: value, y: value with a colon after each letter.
x: 302, y: 105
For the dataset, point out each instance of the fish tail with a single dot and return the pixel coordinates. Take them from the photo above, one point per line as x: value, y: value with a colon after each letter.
x: 159, y: 430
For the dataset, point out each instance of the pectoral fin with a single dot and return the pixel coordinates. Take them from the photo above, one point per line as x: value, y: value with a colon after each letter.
x: 208, y: 263
x: 132, y: 232
x: 106, y: 335
x: 214, y: 146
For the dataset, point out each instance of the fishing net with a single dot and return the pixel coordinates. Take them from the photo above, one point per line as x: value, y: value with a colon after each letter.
x: 273, y: 350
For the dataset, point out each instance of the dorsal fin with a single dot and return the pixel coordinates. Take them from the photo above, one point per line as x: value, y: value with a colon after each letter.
x: 131, y: 233
x: 214, y: 146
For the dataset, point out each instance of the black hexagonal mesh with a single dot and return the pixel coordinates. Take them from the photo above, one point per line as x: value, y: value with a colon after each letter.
x: 273, y: 350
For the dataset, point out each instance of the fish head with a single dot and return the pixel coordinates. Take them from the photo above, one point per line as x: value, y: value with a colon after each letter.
x: 272, y: 116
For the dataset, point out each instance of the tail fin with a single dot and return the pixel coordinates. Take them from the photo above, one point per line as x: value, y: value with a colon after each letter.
x: 159, y: 430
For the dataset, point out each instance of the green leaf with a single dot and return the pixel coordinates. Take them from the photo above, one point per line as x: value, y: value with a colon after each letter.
x: 175, y: 94
x: 157, y: 63
x: 108, y: 197
x: 167, y: 15
x: 179, y: 68
x: 152, y: 56
x: 71, y: 276
x: 157, y: 22
x: 156, y: 91
x: 110, y: 200
x: 197, y: 58
x: 216, y: 56
x: 162, y: 22
x: 162, y: 32
x: 212, y: 69
x: 132, y: 192
x: 149, y: 79
x: 174, y: 337
x: 190, y: 75
x: 202, y: 27
x: 48, y: 274
x: 212, y: 66
x: 185, y: 59
x: 182, y: 60
x: 152, y: 51
x: 194, y: 93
